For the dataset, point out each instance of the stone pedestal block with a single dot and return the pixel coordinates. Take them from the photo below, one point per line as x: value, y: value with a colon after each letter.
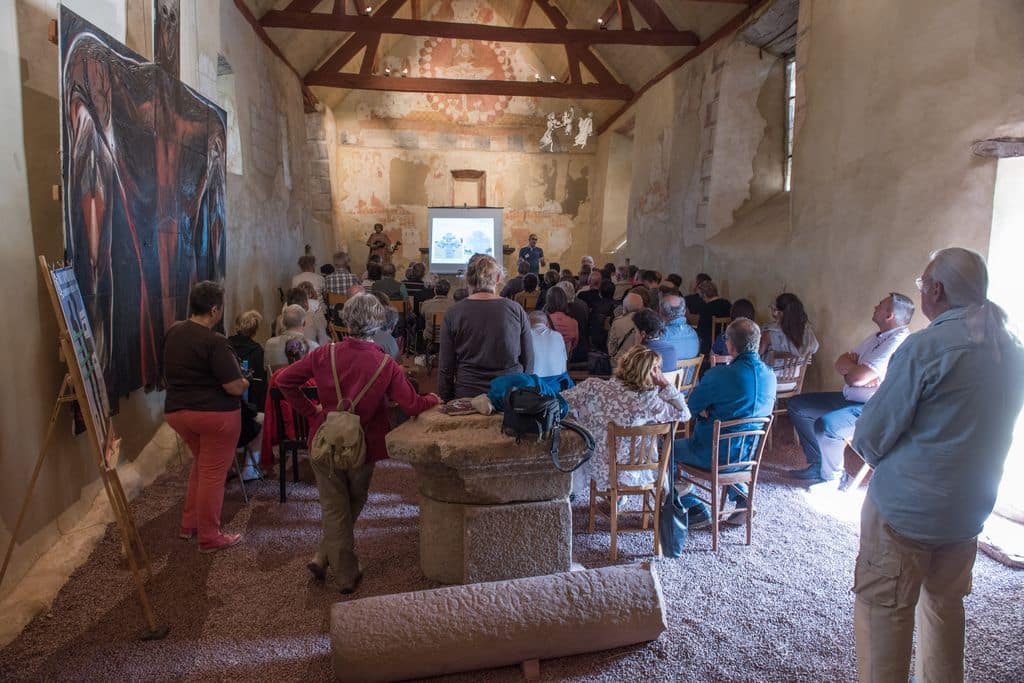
x: 462, y: 543
x: 485, y: 625
x: 490, y: 508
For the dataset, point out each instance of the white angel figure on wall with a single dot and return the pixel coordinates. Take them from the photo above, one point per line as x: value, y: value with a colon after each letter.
x: 548, y: 139
x: 567, y: 117
x: 584, y: 130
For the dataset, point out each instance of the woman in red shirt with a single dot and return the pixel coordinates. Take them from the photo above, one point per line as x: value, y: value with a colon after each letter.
x: 343, y: 492
x: 557, y: 306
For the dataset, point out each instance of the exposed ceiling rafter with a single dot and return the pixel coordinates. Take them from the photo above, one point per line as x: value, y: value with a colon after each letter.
x: 582, y: 91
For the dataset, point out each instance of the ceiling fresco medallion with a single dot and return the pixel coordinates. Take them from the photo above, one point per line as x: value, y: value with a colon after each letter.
x: 467, y: 60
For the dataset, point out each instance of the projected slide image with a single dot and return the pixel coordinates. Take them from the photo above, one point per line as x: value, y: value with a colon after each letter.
x: 456, y: 239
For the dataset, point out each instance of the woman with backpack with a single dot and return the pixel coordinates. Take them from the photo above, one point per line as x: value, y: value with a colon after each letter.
x: 356, y: 374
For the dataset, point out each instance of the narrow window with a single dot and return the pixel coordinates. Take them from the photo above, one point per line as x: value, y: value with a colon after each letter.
x: 790, y: 118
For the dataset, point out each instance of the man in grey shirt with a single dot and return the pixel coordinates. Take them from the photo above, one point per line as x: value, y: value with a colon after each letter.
x: 937, y: 433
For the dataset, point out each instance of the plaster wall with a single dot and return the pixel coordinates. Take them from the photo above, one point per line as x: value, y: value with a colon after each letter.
x: 267, y: 227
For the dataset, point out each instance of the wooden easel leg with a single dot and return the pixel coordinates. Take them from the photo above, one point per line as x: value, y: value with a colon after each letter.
x: 62, y: 394
x: 118, y: 490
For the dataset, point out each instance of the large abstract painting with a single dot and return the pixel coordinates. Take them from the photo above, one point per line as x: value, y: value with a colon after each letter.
x: 144, y: 197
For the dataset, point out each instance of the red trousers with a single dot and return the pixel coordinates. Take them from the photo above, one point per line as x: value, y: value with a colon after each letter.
x: 212, y: 437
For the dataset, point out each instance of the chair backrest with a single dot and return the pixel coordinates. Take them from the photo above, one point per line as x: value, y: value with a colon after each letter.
x: 435, y: 325
x: 398, y: 305
x: 688, y: 373
x: 334, y: 298
x: 649, y: 449
x: 718, y: 325
x: 338, y: 332
x: 717, y: 359
x: 790, y: 373
x: 299, y: 423
x: 740, y: 443
x: 692, y: 319
x: 528, y: 300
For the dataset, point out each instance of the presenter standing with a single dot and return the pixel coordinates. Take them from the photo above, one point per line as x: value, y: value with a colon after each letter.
x: 533, y: 255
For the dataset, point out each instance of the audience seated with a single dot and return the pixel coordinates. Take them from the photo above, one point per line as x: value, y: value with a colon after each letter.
x: 549, y: 281
x: 744, y: 388
x: 826, y: 420
x: 326, y: 270
x: 622, y: 334
x: 385, y: 337
x: 389, y: 285
x: 357, y: 364
x: 307, y: 273
x: 676, y: 280
x: 292, y: 319
x: 591, y: 292
x: 439, y: 304
x: 694, y: 300
x: 530, y: 294
x: 741, y: 308
x: 516, y: 284
x: 315, y: 326
x: 587, y: 262
x: 637, y: 394
x: 580, y: 312
x: 248, y: 350
x: 678, y: 332
x: 712, y: 306
x: 549, y: 357
x: 482, y: 337
x: 649, y: 329
x: 373, y: 275
x: 342, y: 279
x: 460, y: 293
x: 789, y: 333
x: 415, y: 284
x: 295, y: 349
x: 601, y: 310
x: 557, y: 308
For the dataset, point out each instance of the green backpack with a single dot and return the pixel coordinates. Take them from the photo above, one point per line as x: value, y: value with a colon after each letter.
x: 339, y: 443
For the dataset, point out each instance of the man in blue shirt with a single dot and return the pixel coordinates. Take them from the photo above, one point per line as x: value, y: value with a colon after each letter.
x: 649, y: 331
x: 533, y: 255
x: 743, y: 388
x: 937, y: 433
x: 678, y: 332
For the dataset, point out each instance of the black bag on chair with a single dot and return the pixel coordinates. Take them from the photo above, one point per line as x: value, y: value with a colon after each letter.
x: 530, y: 414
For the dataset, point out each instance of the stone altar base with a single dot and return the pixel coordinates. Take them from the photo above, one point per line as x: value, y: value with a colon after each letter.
x: 490, y: 509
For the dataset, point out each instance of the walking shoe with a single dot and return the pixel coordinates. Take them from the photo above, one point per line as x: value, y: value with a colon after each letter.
x: 809, y: 473
x: 348, y: 590
x: 187, y: 534
x: 738, y: 518
x: 223, y: 541
x: 318, y: 568
x: 698, y: 517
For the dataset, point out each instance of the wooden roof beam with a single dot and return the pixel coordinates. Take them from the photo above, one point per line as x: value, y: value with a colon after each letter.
x: 594, y: 65
x: 653, y: 15
x: 351, y: 47
x: 448, y: 29
x: 583, y: 91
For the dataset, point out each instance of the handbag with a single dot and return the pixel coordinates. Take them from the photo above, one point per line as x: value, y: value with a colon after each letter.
x: 339, y: 443
x: 529, y: 413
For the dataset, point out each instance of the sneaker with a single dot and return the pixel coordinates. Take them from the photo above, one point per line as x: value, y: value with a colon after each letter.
x: 738, y: 518
x: 187, y: 534
x: 809, y: 473
x: 698, y: 517
x: 223, y: 541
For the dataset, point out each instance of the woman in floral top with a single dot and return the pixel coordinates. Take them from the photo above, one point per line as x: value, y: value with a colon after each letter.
x: 638, y: 394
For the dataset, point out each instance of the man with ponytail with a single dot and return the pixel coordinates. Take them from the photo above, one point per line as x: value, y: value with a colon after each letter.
x: 937, y: 433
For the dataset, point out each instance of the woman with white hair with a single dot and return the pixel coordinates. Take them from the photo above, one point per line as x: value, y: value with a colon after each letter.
x: 359, y: 366
x: 482, y: 337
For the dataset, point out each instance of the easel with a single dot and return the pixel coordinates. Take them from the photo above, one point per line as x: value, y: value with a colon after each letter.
x: 106, y: 450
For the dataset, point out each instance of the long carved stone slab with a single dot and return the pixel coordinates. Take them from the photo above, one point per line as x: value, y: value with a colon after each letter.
x: 486, y: 625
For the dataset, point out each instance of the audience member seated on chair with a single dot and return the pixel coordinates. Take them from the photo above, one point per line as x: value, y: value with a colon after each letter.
x: 482, y: 337
x: 530, y: 295
x: 744, y: 388
x: 292, y: 320
x: 826, y: 420
x: 712, y: 306
x: 342, y: 279
x: 678, y: 332
x: 517, y: 283
x: 557, y: 308
x: 439, y: 304
x: 295, y: 349
x: 549, y: 358
x: 789, y: 333
x: 385, y: 337
x: 741, y: 308
x: 414, y: 283
x: 694, y: 300
x: 622, y: 334
x: 600, y: 318
x: 460, y: 293
x: 360, y: 367
x: 315, y: 325
x: 247, y: 349
x: 637, y: 394
x: 389, y: 285
x: 592, y: 291
x: 649, y: 330
x: 373, y: 275
x: 549, y: 280
x: 307, y: 273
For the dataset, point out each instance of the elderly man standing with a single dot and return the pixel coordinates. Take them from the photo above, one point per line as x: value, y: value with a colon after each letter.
x: 826, y: 420
x: 678, y: 332
x: 743, y: 388
x: 937, y: 433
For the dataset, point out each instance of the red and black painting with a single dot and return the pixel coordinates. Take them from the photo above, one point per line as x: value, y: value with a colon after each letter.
x: 144, y: 197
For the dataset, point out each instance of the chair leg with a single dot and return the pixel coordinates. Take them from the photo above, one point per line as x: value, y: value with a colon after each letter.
x: 714, y: 518
x: 614, y: 520
x: 646, y: 513
x: 593, y: 506
x: 241, y: 480
x: 725, y: 497
x: 861, y: 473
x: 657, y: 520
x: 282, y: 460
x: 295, y: 464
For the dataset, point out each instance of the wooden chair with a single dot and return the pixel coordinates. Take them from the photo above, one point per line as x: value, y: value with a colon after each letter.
x: 743, y: 449
x: 650, y: 450
x: 688, y: 379
x: 717, y: 359
x: 692, y: 319
x: 338, y: 332
x: 861, y: 473
x: 334, y: 298
x: 286, y: 445
x: 435, y: 336
x: 399, y: 305
x: 790, y: 373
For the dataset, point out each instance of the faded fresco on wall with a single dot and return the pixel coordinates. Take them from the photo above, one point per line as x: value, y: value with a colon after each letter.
x: 144, y: 189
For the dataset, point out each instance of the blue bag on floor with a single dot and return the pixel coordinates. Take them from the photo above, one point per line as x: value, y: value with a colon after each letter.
x: 673, y: 525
